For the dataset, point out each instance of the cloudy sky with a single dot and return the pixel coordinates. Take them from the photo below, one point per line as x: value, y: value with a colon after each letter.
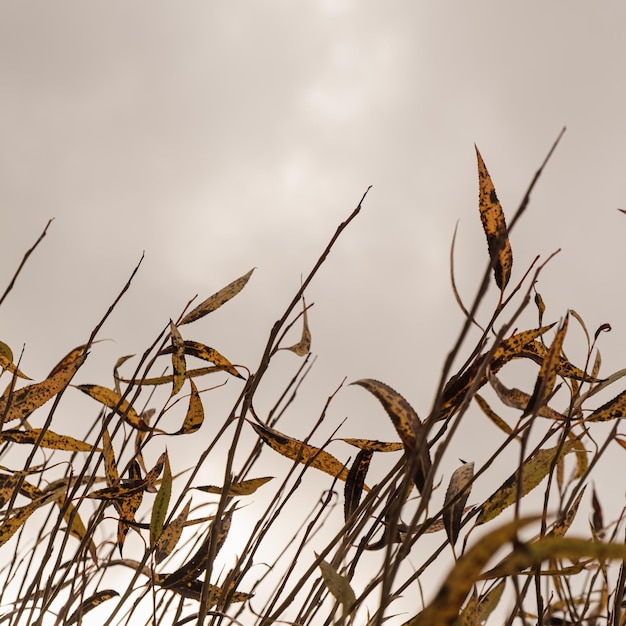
x: 221, y: 136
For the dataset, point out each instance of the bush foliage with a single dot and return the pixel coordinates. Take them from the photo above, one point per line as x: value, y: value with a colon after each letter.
x: 70, y: 505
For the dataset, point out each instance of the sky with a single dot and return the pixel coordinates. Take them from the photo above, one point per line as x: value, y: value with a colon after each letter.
x: 217, y: 137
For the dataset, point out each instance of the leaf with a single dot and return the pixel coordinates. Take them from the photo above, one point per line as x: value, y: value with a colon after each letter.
x: 338, y: 585
x: 494, y: 225
x: 444, y: 608
x: 171, y: 535
x: 301, y: 452
x: 24, y: 401
x: 110, y: 466
x: 303, y: 347
x: 178, y: 359
x: 531, y: 554
x: 407, y: 424
x: 6, y: 361
x: 91, y: 603
x: 546, y: 378
x: 217, y: 299
x: 161, y: 503
x: 355, y: 482
x: 243, y: 488
x: 460, y: 483
x: 478, y: 610
x: 562, y: 525
x: 200, y: 351
x: 49, y: 440
x: 114, y: 401
x: 197, y: 564
x: 374, y: 446
x: 534, y: 470
x: 163, y: 380
x: 537, y: 352
x: 127, y: 507
x: 195, y: 412
x: 613, y: 409
x: 458, y: 386
x: 520, y: 400
x: 12, y: 524
x: 496, y: 419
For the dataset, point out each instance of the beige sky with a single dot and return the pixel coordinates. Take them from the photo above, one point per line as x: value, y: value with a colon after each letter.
x: 228, y: 135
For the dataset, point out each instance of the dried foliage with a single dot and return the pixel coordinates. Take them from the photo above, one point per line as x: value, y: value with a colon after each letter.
x: 70, y: 510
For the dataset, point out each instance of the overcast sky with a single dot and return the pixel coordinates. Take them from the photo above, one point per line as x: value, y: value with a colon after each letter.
x: 221, y: 136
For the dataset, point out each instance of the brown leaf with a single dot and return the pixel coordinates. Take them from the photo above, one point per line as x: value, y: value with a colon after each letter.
x: 200, y: 351
x: 407, y: 424
x: 242, y: 488
x: 355, y: 482
x: 195, y: 413
x: 178, y: 359
x: 48, y: 440
x: 494, y: 225
x: 91, y: 603
x: 303, y: 347
x: 460, y: 483
x: 373, y: 445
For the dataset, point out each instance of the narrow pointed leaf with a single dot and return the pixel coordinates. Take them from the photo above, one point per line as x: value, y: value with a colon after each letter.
x: 195, y: 413
x: 127, y: 507
x: 24, y: 401
x: 114, y: 401
x: 535, y: 469
x: 407, y: 424
x: 178, y: 359
x: 355, y: 481
x: 161, y: 503
x: 373, y: 445
x: 243, y: 488
x: 301, y: 452
x: 77, y: 528
x: 338, y: 585
x: 91, y: 603
x: 563, y: 524
x: 478, y: 609
x: 164, y: 380
x: 546, y: 378
x: 494, y: 225
x: 18, y: 517
x: 217, y: 299
x: 460, y: 483
x: 200, y: 351
x: 613, y: 409
x: 49, y: 440
x: 171, y: 535
x: 110, y: 466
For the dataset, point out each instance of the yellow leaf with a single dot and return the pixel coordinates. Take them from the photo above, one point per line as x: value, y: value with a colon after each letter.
x: 48, y: 440
x: 613, y: 409
x: 163, y: 380
x: 178, y: 359
x: 373, y: 445
x: 217, y: 299
x: 200, y: 351
x: 195, y: 412
x: 77, y: 528
x: 243, y: 488
x: 110, y: 466
x: 534, y: 470
x: 127, y: 507
x: 301, y: 452
x: 171, y: 535
x: 494, y: 225
x: 562, y: 525
x: 6, y: 361
x: 22, y: 402
x: 114, y: 401
x: 18, y: 517
x: 161, y: 503
x: 478, y: 609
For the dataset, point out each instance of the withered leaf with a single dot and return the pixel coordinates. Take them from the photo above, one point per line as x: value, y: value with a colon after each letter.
x: 48, y: 440
x: 200, y: 351
x: 301, y: 452
x: 458, y: 491
x: 178, y: 359
x: 494, y: 225
x: 242, y: 488
x: 91, y: 603
x: 217, y: 299
x: 355, y: 482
